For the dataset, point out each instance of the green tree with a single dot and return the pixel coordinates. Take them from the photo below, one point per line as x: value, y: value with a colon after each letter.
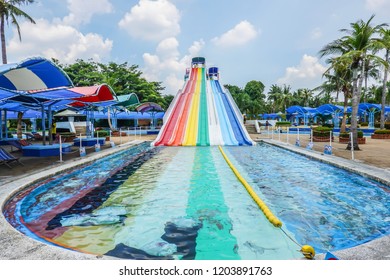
x: 241, y: 98
x: 355, y: 49
x: 255, y: 91
x: 384, y: 44
x: 9, y: 11
x: 122, y: 78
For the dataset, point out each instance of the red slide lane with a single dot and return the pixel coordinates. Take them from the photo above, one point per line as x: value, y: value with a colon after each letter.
x: 177, y: 140
x: 171, y: 123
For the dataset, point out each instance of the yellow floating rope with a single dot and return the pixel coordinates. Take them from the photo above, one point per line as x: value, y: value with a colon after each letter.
x: 267, y: 212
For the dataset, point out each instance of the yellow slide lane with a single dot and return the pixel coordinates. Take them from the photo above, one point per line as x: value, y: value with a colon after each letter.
x: 192, y: 123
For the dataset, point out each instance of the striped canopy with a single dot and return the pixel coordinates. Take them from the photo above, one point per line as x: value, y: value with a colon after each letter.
x: 33, y: 74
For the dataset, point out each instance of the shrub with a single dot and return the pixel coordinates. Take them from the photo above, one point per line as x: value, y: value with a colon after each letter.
x: 330, y: 125
x: 382, y: 131
x: 283, y: 123
x: 378, y: 125
x: 364, y: 123
x: 102, y: 133
x: 346, y: 134
x: 321, y: 131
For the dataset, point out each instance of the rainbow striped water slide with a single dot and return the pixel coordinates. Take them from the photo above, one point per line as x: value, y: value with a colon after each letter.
x: 203, y: 114
x: 170, y: 133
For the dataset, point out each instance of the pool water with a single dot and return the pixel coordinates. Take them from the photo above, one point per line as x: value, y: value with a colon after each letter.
x: 324, y: 206
x: 185, y: 203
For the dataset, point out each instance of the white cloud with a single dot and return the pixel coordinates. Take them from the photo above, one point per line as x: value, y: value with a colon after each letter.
x: 152, y: 20
x: 167, y: 60
x: 55, y: 40
x: 378, y: 5
x: 81, y: 11
x: 241, y: 34
x: 306, y: 75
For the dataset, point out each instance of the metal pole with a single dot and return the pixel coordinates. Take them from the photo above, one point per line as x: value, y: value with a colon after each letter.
x: 311, y: 135
x: 330, y: 138
x: 80, y: 142
x: 279, y: 132
x: 120, y: 135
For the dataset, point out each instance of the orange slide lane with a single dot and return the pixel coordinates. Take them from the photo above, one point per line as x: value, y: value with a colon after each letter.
x: 176, y: 113
x: 182, y: 122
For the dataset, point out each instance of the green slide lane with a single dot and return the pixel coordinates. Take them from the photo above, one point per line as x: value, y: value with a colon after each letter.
x: 203, y: 129
x: 206, y: 204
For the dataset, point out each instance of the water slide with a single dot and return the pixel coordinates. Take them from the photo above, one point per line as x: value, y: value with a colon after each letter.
x: 203, y: 113
x: 169, y: 128
x: 203, y: 128
x: 180, y: 128
x: 226, y: 129
x: 191, y: 133
x: 215, y: 133
x: 238, y: 128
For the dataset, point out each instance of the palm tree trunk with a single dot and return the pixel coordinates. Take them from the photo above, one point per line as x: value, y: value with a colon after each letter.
x: 355, y: 108
x: 384, y: 91
x: 19, y: 132
x: 109, y: 118
x: 3, y: 44
x: 345, y: 114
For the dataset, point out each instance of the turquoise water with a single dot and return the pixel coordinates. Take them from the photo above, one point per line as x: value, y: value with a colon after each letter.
x: 185, y: 203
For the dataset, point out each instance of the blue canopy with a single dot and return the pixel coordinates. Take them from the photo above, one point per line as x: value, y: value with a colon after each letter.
x: 329, y: 109
x: 301, y: 111
x: 130, y: 115
x: 33, y: 74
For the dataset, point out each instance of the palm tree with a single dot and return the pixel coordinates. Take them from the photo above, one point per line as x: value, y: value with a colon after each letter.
x: 384, y: 44
x: 10, y: 12
x: 355, y: 49
x: 273, y: 96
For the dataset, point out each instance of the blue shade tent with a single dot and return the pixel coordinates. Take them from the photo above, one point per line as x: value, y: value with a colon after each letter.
x: 130, y: 115
x: 33, y: 74
x: 271, y: 116
x: 302, y: 112
x: 5, y: 94
x: 36, y: 83
x: 333, y: 110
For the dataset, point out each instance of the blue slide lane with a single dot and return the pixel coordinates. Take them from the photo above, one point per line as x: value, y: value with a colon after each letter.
x: 236, y: 126
x: 226, y: 129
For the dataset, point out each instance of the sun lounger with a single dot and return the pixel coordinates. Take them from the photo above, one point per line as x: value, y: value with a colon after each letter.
x: 18, y: 143
x: 6, y: 158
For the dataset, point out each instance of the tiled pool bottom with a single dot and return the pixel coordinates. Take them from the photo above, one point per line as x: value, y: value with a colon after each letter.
x: 217, y: 227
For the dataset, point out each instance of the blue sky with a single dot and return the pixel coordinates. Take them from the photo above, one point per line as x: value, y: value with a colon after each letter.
x: 275, y: 42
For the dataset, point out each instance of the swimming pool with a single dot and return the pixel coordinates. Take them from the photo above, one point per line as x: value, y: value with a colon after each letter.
x: 185, y: 203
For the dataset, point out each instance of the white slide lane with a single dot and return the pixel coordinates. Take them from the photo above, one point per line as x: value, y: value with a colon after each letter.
x: 215, y: 133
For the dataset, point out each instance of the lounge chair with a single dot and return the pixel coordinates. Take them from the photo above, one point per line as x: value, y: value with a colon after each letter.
x: 6, y: 158
x: 19, y: 143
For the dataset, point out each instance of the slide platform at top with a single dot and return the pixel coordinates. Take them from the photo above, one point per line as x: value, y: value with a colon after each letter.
x: 203, y: 113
